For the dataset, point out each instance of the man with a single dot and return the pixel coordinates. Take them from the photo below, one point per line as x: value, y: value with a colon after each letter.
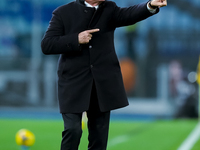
x: 89, y: 76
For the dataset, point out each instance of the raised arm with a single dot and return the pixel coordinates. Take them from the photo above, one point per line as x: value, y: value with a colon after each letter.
x: 133, y: 14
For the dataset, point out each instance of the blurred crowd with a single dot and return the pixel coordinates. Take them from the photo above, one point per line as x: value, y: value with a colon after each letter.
x: 170, y: 38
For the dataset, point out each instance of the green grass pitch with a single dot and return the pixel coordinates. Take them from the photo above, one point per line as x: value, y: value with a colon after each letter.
x: 123, y: 135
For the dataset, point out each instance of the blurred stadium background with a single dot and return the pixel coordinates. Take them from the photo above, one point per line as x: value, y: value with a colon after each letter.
x: 158, y: 58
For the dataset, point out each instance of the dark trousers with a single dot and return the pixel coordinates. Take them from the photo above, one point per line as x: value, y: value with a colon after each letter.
x: 98, y: 126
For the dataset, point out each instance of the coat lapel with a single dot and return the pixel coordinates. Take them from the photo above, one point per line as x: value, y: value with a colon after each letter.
x: 96, y: 16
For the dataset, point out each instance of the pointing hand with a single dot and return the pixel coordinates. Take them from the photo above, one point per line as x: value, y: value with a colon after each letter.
x: 159, y: 3
x: 85, y: 36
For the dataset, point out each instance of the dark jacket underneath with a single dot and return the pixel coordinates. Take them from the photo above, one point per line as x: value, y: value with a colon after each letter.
x: 81, y: 65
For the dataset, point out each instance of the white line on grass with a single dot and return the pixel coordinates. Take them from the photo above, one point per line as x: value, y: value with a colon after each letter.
x: 118, y: 140
x: 191, y: 139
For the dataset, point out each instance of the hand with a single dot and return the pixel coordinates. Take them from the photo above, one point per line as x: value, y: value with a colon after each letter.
x: 85, y: 36
x: 159, y: 3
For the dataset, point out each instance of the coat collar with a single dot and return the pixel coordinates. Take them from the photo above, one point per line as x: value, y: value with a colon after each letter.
x: 82, y: 2
x: 96, y: 14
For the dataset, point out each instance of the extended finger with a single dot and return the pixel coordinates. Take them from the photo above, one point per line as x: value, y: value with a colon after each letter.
x: 93, y: 30
x: 164, y: 2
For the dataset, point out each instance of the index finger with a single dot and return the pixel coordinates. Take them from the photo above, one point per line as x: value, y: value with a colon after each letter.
x: 93, y: 30
x: 164, y: 3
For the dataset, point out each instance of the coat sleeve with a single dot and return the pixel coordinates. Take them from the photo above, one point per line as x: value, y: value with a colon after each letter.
x: 131, y: 15
x: 55, y: 41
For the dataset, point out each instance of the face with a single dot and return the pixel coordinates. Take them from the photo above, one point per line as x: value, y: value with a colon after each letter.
x: 94, y: 2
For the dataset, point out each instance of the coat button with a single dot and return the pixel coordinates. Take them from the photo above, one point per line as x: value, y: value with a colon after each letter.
x: 91, y: 66
x: 90, y: 46
x: 85, y: 11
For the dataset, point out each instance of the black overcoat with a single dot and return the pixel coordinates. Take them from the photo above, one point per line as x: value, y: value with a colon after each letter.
x: 81, y: 65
